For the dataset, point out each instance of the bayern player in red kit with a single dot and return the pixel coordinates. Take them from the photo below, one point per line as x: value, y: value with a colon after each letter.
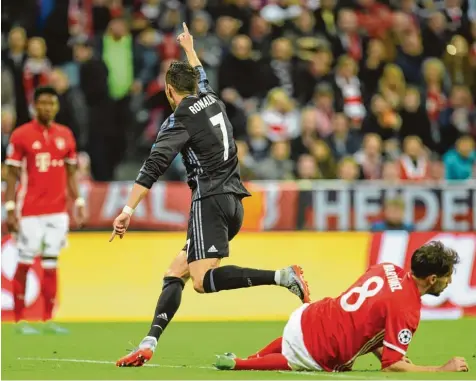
x: 47, y: 152
x: 379, y: 313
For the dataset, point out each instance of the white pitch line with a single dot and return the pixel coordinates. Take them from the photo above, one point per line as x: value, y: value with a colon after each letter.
x: 85, y: 361
x: 106, y: 362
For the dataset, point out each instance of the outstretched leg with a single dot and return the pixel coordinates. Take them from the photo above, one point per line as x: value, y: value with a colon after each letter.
x: 274, y: 347
x: 271, y: 361
x: 167, y: 305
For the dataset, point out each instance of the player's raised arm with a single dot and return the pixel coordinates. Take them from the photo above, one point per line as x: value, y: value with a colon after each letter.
x: 185, y: 40
x: 168, y: 144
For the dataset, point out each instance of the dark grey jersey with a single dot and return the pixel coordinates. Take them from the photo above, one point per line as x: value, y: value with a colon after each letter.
x: 199, y: 129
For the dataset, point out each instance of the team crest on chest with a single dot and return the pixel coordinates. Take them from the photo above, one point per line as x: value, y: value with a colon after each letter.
x: 60, y: 143
x: 36, y: 145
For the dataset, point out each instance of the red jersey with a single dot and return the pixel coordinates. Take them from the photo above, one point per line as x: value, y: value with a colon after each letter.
x: 381, y: 308
x: 411, y: 170
x: 45, y: 152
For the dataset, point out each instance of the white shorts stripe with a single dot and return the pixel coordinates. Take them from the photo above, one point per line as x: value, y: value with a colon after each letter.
x: 201, y: 226
x: 394, y: 347
x: 194, y: 228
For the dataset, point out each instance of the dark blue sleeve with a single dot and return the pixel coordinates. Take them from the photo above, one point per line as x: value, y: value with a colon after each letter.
x: 172, y: 136
x: 203, y: 84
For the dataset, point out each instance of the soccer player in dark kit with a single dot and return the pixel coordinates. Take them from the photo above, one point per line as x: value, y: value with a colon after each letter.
x: 200, y: 130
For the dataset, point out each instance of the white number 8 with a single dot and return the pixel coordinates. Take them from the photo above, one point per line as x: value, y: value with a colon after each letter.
x: 364, y: 293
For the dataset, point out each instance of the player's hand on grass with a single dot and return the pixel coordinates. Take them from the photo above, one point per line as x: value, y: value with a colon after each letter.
x: 185, y: 39
x: 12, y: 222
x: 120, y: 225
x: 407, y: 360
x: 456, y: 364
x: 80, y: 215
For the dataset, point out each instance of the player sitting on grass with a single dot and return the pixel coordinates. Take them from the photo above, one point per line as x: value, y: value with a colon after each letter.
x: 200, y: 130
x: 379, y: 313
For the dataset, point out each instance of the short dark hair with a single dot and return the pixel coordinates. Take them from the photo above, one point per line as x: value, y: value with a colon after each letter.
x: 433, y: 258
x: 44, y: 90
x: 182, y: 77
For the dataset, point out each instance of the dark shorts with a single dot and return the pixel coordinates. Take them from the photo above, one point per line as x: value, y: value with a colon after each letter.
x: 213, y: 222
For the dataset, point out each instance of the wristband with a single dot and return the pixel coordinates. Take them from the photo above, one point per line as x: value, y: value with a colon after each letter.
x: 128, y: 210
x: 9, y: 206
x: 80, y: 202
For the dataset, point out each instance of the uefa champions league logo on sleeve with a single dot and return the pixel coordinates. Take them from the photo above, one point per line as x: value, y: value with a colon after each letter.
x: 404, y: 336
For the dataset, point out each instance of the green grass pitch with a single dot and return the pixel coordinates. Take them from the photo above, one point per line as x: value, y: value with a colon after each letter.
x: 187, y: 350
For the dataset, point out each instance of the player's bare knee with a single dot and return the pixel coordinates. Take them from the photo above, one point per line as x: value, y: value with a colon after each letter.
x: 198, y: 285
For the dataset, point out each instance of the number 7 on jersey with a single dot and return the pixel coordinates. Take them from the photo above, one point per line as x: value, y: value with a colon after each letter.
x: 218, y: 120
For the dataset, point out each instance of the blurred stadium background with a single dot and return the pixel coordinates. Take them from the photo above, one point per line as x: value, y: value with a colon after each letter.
x: 355, y: 123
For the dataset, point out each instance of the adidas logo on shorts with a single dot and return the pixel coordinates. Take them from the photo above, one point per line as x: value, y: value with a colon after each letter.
x: 212, y: 249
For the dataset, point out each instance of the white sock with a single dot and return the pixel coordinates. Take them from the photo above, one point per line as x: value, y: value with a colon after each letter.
x: 277, y: 277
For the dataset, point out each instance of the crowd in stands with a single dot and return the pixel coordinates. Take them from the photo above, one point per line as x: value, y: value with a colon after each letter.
x: 315, y: 89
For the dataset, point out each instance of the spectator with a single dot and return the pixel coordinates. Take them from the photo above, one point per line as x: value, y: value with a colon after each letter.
x: 459, y: 63
x: 434, y: 76
x: 343, y: 142
x: 37, y: 68
x: 93, y: 75
x: 316, y: 72
x: 348, y: 169
x: 326, y: 20
x: 194, y: 7
x: 459, y: 162
x: 239, y: 10
x: 369, y: 158
x: 247, y: 163
x: 281, y: 69
x: 8, y: 124
x: 435, y: 36
x: 309, y: 133
x: 325, y: 162
x: 8, y: 89
x: 391, y: 172
x: 72, y: 108
x: 415, y: 119
x: 147, y: 46
x: 410, y: 57
x: 349, y: 90
x: 260, y: 34
x: 382, y: 119
x: 278, y: 166
x: 257, y: 141
x: 392, y: 85
x: 306, y: 168
x: 281, y: 116
x: 226, y: 29
x: 14, y: 58
x: 239, y: 71
x: 372, y: 68
x: 123, y: 63
x: 454, y: 15
x: 414, y: 163
x: 374, y: 17
x: 458, y: 118
x: 348, y: 40
x: 393, y: 217
x: 207, y: 46
x: 323, y: 102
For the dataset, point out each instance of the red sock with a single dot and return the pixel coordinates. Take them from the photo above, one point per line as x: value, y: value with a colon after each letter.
x: 19, y: 286
x: 273, y: 361
x: 48, y: 290
x: 273, y: 347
